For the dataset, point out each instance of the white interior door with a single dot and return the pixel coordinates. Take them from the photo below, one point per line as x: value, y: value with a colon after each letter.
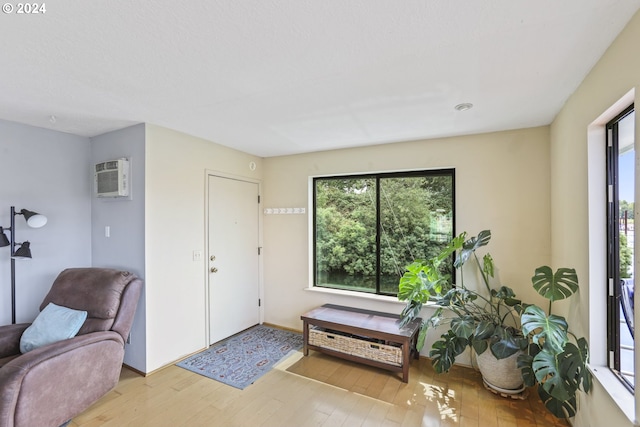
x: 233, y: 257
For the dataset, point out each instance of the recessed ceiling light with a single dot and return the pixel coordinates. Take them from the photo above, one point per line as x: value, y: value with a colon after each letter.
x: 464, y: 106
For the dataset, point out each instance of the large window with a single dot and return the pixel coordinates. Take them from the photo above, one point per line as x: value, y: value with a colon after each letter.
x: 368, y: 228
x: 620, y: 231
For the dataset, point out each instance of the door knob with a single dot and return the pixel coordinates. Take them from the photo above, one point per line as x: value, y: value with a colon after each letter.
x: 212, y: 257
x: 214, y: 270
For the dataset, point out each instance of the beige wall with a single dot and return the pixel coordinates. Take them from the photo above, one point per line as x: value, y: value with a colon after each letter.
x: 617, y: 72
x: 502, y: 183
x: 176, y: 166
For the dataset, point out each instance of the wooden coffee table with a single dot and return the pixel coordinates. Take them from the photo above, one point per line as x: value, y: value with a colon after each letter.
x: 371, y: 326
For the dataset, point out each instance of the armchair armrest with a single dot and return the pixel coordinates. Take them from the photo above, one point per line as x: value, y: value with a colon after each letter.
x: 10, y: 339
x: 54, y: 383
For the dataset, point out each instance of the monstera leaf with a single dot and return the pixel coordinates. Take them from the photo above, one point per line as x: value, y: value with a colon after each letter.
x: 431, y: 322
x: 550, y: 331
x: 553, y: 287
x: 470, y: 246
x: 422, y: 336
x: 547, y: 369
x: 410, y: 312
x: 573, y: 365
x: 525, y: 364
x: 584, y: 356
x: 463, y: 326
x: 480, y: 338
x: 417, y: 285
x: 504, y: 292
x: 479, y: 346
x: 507, y: 295
x: 456, y: 297
x: 444, y: 351
x: 504, y: 343
x: 484, y: 330
x: 559, y: 408
x: 454, y: 245
x: 419, y: 282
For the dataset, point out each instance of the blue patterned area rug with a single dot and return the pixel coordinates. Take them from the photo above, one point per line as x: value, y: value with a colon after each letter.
x: 243, y: 358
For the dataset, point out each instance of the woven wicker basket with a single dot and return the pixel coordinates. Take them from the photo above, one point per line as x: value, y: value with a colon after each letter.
x: 355, y: 346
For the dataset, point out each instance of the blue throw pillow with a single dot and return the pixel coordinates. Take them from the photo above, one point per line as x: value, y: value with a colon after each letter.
x: 54, y: 323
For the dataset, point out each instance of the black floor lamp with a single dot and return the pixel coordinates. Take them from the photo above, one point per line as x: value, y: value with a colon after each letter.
x: 34, y: 220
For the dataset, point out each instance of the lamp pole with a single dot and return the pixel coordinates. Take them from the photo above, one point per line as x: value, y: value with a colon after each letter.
x: 34, y: 220
x: 13, y: 265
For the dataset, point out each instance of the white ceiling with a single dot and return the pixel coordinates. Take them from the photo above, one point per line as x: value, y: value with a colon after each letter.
x: 275, y: 77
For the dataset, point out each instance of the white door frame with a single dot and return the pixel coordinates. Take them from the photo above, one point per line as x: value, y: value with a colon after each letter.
x: 219, y: 174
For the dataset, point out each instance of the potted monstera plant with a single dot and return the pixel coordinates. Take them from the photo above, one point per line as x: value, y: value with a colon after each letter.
x: 513, y: 341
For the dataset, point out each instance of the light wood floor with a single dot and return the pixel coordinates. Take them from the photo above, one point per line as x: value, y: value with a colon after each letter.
x: 343, y: 394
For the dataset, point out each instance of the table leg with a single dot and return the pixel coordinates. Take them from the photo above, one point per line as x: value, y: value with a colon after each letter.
x: 406, y: 358
x: 305, y: 338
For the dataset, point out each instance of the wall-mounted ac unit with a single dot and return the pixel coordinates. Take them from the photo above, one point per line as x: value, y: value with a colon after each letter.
x: 112, y: 178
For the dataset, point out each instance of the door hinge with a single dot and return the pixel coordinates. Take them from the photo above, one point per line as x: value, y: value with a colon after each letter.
x: 259, y: 303
x: 610, y: 191
x: 258, y: 199
x: 610, y: 287
x: 259, y: 250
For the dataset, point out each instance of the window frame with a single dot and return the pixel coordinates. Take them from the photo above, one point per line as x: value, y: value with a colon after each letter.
x: 613, y: 248
x: 596, y: 266
x: 377, y: 176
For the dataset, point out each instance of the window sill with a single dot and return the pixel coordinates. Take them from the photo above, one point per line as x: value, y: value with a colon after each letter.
x: 354, y: 294
x: 360, y: 295
x: 616, y: 390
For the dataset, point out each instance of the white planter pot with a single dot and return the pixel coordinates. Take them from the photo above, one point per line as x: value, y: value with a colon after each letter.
x: 501, y: 375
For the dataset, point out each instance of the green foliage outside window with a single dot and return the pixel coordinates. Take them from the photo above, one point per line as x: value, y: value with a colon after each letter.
x: 369, y: 228
x: 626, y: 206
x: 626, y: 226
x: 626, y: 257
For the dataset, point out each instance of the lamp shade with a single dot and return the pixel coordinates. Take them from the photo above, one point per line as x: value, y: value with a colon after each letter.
x: 4, y: 241
x: 34, y: 219
x: 23, y: 251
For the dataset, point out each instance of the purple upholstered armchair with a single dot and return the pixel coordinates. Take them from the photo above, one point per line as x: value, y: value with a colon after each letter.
x: 56, y: 382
